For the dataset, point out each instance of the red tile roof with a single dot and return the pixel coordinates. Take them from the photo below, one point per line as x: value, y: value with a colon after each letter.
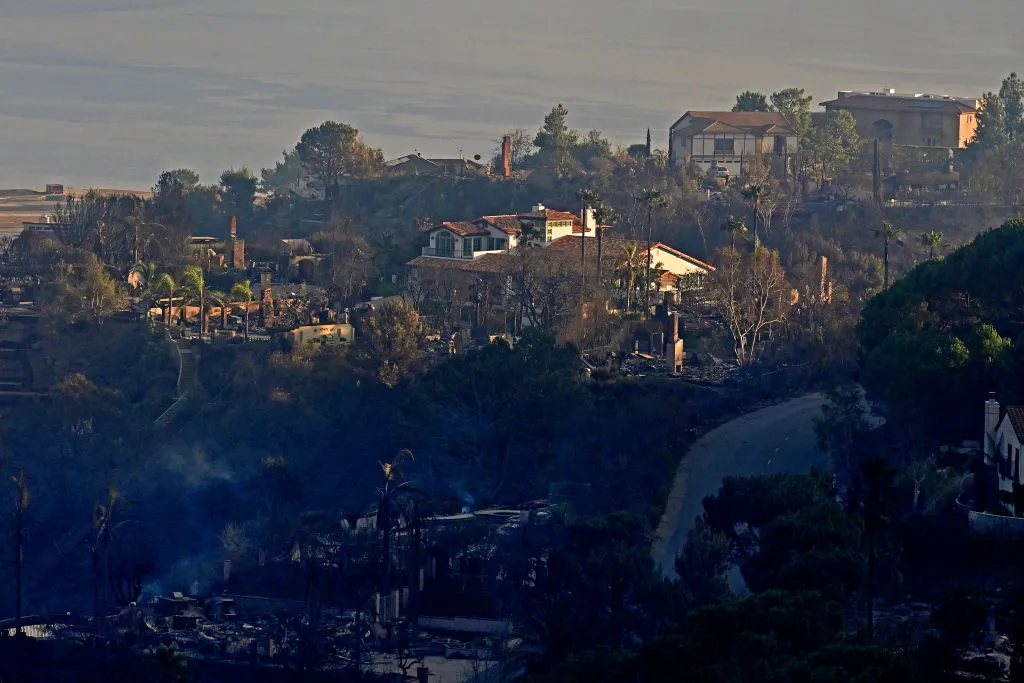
x: 487, y: 263
x: 551, y: 215
x: 460, y: 228
x: 507, y: 223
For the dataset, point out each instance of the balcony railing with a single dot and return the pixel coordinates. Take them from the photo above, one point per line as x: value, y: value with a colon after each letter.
x: 447, y: 253
x: 456, y: 253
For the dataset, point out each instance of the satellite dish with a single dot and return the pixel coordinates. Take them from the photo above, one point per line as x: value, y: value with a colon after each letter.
x: 476, y: 157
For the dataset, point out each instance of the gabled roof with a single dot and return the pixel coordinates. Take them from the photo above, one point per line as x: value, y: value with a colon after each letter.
x: 551, y: 215
x: 507, y: 223
x: 737, y: 122
x: 611, y: 246
x: 679, y: 254
x: 406, y: 159
x: 460, y: 228
x: 1016, y: 415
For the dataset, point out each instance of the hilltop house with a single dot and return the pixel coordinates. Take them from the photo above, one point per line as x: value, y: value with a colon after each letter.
x: 414, y: 164
x: 917, y: 120
x: 1004, y: 434
x: 732, y: 140
x: 498, y: 234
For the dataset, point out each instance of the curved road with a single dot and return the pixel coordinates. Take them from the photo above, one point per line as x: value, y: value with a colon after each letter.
x: 775, y: 439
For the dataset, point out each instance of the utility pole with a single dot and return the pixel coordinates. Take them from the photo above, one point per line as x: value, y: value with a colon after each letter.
x: 876, y: 179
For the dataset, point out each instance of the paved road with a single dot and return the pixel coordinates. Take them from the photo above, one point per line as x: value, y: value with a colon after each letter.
x: 779, y: 438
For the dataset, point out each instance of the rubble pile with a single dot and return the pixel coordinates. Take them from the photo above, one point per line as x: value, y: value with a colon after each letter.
x: 707, y: 368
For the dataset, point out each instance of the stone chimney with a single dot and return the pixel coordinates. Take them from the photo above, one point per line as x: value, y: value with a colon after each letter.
x: 991, y: 424
x: 506, y: 156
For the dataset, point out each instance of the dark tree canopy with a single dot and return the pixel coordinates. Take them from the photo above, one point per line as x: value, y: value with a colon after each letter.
x: 750, y: 100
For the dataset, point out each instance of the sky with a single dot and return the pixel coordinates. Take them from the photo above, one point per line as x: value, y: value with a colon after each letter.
x: 108, y: 93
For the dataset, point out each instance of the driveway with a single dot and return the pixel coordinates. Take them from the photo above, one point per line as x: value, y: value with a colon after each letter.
x: 775, y: 439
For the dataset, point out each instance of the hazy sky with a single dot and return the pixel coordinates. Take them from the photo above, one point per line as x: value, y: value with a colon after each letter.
x: 110, y: 92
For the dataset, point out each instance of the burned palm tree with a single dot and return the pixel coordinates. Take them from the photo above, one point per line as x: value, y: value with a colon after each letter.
x: 103, y: 530
x: 394, y: 482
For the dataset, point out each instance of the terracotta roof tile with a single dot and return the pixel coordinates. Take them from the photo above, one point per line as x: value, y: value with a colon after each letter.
x: 460, y: 228
x: 507, y: 223
x: 487, y: 263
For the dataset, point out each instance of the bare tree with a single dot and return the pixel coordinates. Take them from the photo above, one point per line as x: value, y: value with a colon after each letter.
x: 750, y: 293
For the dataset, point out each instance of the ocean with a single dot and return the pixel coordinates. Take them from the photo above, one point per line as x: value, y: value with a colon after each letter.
x: 108, y: 93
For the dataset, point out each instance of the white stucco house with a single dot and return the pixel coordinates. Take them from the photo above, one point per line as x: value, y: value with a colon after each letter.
x: 1004, y: 434
x: 733, y: 140
x: 470, y: 240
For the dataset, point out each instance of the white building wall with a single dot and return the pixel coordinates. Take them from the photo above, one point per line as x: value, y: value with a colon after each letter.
x: 673, y: 263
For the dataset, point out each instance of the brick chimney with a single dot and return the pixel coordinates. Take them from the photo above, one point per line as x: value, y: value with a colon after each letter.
x: 506, y: 156
x: 234, y: 227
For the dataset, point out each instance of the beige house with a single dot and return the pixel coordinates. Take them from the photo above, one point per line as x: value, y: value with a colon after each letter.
x: 914, y: 119
x: 342, y: 333
x: 732, y: 140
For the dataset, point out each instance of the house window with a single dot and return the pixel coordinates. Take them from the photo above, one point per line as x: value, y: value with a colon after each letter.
x: 445, y: 246
x: 548, y: 235
x: 494, y: 243
x: 780, y: 145
x: 470, y: 244
x: 724, y: 145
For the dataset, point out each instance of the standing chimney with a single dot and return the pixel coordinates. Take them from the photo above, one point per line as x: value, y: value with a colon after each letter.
x: 506, y: 156
x: 234, y: 227
x: 824, y: 277
x: 992, y: 411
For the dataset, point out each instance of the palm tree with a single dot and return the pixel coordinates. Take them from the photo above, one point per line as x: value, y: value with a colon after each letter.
x: 147, y: 274
x: 631, y: 263
x: 194, y: 281
x: 103, y: 527
x: 932, y: 240
x: 889, y: 234
x: 755, y: 193
x: 735, y: 228
x: 242, y: 292
x: 652, y: 198
x: 394, y: 481
x: 21, y: 485
x: 587, y: 198
x: 603, y: 214
x: 220, y: 299
x: 165, y: 283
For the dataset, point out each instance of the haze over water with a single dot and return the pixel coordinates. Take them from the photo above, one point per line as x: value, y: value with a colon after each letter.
x: 111, y: 92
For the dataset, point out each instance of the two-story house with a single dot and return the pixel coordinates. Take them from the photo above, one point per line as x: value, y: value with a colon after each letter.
x: 732, y: 140
x: 916, y: 120
x: 501, y: 233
